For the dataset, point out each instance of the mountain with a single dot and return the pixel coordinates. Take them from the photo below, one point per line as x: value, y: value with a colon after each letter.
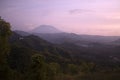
x: 58, y: 38
x: 86, y: 47
x: 53, y: 35
x: 22, y: 33
x: 35, y: 43
x: 46, y: 29
x: 75, y: 38
x: 117, y: 41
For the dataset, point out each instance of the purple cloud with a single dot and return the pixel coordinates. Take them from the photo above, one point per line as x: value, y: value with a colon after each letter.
x: 79, y: 11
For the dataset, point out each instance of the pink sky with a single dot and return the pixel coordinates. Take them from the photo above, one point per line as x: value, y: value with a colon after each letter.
x: 96, y: 17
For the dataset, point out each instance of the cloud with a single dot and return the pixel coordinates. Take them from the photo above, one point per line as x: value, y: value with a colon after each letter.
x: 79, y: 11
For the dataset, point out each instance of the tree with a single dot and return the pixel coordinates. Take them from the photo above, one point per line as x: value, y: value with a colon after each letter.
x: 53, y: 71
x: 73, y: 69
x: 4, y: 49
x: 4, y: 35
x: 38, y: 68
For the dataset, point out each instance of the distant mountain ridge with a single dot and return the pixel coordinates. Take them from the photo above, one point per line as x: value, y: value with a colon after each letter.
x: 46, y: 29
x: 55, y: 36
x: 71, y: 37
x: 70, y: 46
x: 22, y: 33
x: 36, y: 43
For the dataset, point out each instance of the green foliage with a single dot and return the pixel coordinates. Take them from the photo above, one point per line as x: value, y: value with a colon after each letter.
x: 5, y: 32
x: 38, y: 68
x: 87, y: 67
x: 20, y: 58
x: 4, y: 29
x: 73, y: 69
x: 53, y: 71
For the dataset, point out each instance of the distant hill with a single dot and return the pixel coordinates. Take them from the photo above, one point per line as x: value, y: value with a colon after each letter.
x: 38, y: 44
x: 87, y: 47
x: 54, y: 35
x: 117, y: 41
x: 22, y: 33
x: 46, y: 29
x: 72, y: 37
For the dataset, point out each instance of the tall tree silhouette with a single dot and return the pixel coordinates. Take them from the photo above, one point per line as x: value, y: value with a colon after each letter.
x: 4, y: 49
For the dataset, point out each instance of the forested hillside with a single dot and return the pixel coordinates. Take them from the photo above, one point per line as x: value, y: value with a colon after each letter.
x: 32, y: 58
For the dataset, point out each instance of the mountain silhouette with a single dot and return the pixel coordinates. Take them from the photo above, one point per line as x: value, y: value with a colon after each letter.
x: 46, y: 29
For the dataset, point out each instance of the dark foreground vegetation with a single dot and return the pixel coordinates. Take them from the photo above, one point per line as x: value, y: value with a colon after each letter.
x: 32, y: 58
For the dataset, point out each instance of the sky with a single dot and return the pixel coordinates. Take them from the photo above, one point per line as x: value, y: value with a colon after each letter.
x: 94, y: 17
